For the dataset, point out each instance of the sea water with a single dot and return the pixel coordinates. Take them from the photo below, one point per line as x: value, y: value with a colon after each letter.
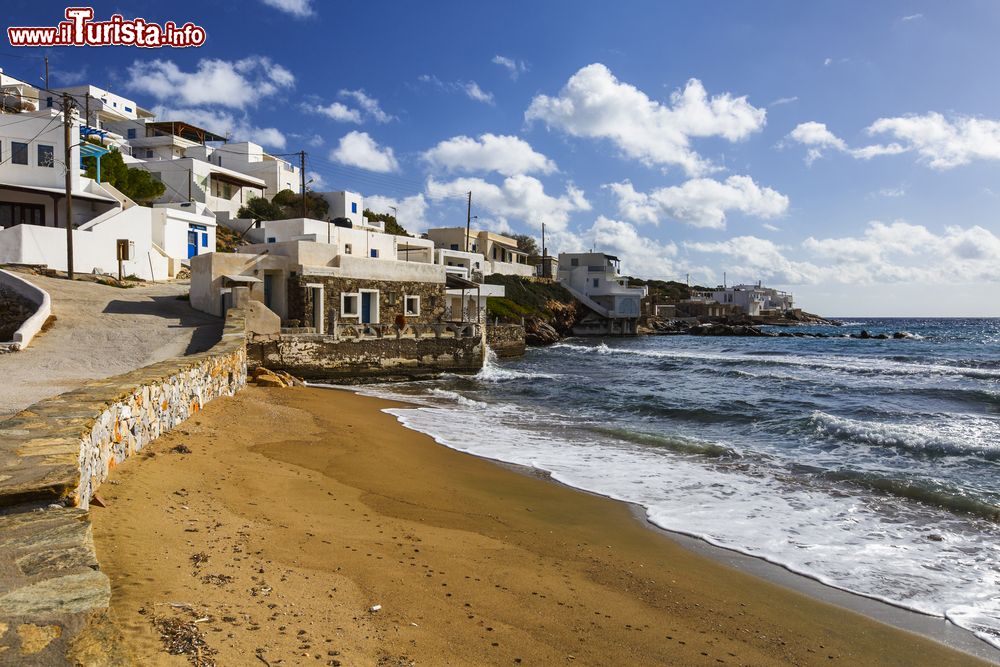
x: 870, y: 465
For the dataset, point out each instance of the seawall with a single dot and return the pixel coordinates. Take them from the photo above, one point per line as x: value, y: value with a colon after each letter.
x: 53, y: 457
x: 315, y: 357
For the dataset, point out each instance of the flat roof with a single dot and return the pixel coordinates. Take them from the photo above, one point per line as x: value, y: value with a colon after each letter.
x: 184, y: 130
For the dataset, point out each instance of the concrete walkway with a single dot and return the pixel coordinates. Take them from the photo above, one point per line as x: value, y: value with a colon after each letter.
x: 101, y: 331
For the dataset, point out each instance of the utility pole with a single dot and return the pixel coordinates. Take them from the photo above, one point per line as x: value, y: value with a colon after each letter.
x: 46, y: 72
x: 468, y: 222
x: 67, y: 160
x: 302, y: 178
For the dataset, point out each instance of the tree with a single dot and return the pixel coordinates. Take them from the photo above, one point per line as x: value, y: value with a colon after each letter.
x: 259, y: 208
x: 136, y: 184
x: 391, y: 226
x: 317, y: 208
x: 528, y: 245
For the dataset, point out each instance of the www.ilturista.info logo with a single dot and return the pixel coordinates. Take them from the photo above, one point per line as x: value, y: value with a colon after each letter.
x: 79, y: 29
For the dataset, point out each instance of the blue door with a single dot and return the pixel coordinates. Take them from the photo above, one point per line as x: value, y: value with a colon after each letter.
x: 268, y: 288
x: 192, y: 244
x: 366, y: 307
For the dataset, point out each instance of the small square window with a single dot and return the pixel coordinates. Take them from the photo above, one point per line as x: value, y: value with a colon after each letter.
x: 48, y: 102
x: 149, y: 153
x: 347, y: 248
x: 18, y: 152
x: 375, y: 252
x: 574, y: 262
x: 413, y: 305
x: 204, y: 240
x: 46, y: 156
x: 454, y: 246
x: 349, y: 305
x: 131, y: 133
x: 272, y: 239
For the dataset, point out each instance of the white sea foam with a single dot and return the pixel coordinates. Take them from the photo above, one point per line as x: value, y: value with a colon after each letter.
x: 955, y: 436
x: 839, y: 363
x: 846, y: 540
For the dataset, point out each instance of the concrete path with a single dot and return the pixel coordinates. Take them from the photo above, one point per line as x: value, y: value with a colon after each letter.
x: 101, y: 331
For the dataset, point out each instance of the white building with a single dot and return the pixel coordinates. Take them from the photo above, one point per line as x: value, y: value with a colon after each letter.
x: 500, y: 253
x: 32, y: 208
x: 345, y: 204
x: 116, y: 120
x: 251, y: 159
x: 753, y: 300
x: 594, y: 279
x: 17, y: 95
x: 187, y: 179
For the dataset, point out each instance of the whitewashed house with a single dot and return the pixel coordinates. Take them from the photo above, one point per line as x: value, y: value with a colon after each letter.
x: 223, y: 191
x: 500, y: 252
x: 754, y: 300
x: 32, y: 207
x: 111, y: 118
x: 594, y: 279
x: 251, y: 159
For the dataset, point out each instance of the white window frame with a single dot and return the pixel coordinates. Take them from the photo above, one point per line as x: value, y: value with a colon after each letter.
x: 406, y: 305
x: 357, y: 304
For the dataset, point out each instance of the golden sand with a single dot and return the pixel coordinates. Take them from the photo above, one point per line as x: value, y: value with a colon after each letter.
x: 297, y: 511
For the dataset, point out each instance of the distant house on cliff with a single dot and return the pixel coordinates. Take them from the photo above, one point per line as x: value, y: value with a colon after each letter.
x: 754, y: 300
x: 594, y: 279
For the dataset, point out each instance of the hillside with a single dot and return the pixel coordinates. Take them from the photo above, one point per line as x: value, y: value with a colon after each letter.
x: 548, y: 310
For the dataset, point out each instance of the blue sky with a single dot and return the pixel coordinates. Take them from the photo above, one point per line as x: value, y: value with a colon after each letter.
x: 847, y: 151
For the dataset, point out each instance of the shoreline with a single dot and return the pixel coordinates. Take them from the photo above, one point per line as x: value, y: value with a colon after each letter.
x: 289, y: 514
x: 933, y: 627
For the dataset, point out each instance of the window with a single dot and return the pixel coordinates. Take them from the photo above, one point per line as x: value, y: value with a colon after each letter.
x: 21, y: 214
x: 46, y: 156
x: 204, y: 240
x: 413, y: 305
x: 128, y: 109
x: 574, y: 262
x: 473, y: 247
x: 18, y: 152
x: 347, y: 248
x: 131, y: 133
x: 596, y: 282
x: 272, y: 239
x: 149, y: 152
x: 354, y: 207
x: 349, y: 305
x: 454, y: 246
x: 375, y: 252
x: 48, y: 102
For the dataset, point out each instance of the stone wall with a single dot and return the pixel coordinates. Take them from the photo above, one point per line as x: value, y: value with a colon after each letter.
x: 321, y: 357
x: 14, y: 310
x: 53, y: 457
x: 391, y: 298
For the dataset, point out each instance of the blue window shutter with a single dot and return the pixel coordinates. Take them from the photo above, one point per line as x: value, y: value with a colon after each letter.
x: 354, y: 207
x: 374, y: 252
x: 204, y: 240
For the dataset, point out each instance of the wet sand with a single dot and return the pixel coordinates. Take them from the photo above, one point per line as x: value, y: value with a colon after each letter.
x: 298, y: 510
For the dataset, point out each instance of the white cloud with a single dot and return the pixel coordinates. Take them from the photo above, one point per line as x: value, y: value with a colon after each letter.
x: 357, y: 149
x: 912, y: 17
x: 474, y: 92
x: 335, y: 111
x: 699, y: 202
x: 470, y: 89
x: 236, y: 84
x: 817, y: 137
x: 595, y: 104
x: 783, y: 100
x: 520, y: 197
x: 941, y: 142
x: 884, y: 253
x: 315, y: 181
x: 505, y: 154
x: 892, y: 192
x: 370, y: 105
x: 411, y: 212
x: 514, y: 67
x: 316, y: 141
x: 297, y: 8
x: 641, y: 256
x: 771, y: 228
x: 235, y: 128
x: 827, y: 62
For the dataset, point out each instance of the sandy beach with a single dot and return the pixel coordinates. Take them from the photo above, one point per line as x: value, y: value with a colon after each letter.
x: 305, y: 526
